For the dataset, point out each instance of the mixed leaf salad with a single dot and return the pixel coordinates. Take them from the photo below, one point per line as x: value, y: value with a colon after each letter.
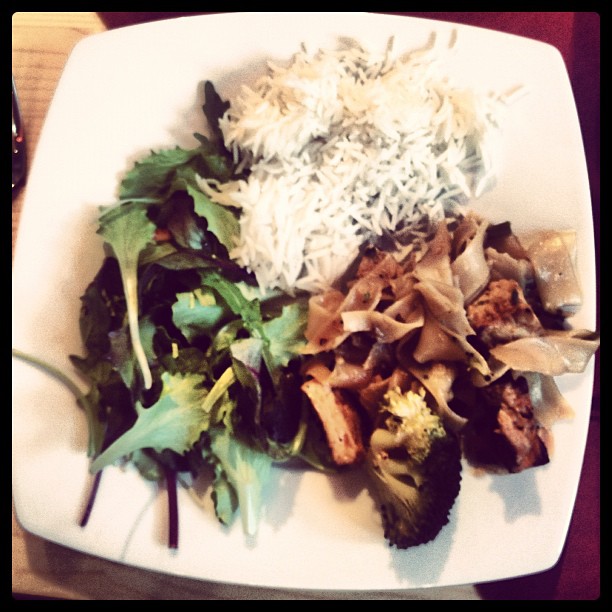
x: 191, y: 366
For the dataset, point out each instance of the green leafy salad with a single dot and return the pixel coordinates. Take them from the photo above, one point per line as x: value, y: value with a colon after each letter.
x: 192, y: 369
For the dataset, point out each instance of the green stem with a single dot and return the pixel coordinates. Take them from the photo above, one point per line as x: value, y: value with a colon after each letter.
x: 55, y: 372
x: 226, y: 380
x: 81, y: 399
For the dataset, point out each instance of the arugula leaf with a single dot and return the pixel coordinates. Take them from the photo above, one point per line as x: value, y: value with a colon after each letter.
x: 248, y: 310
x: 188, y: 230
x: 156, y: 252
x: 194, y: 260
x: 102, y: 310
x: 152, y: 175
x: 166, y: 175
x: 222, y: 222
x: 282, y: 335
x: 285, y: 334
x: 247, y: 471
x: 214, y: 161
x: 188, y: 360
x: 112, y: 408
x: 120, y: 355
x: 174, y: 422
x: 95, y: 321
x: 148, y: 467
x: 127, y: 230
x: 223, y: 495
x: 214, y: 108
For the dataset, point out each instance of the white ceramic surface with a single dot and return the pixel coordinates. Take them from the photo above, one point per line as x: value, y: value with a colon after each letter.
x: 126, y: 91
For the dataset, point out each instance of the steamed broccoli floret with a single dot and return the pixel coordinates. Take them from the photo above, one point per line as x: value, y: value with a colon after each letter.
x: 415, y: 465
x: 411, y: 420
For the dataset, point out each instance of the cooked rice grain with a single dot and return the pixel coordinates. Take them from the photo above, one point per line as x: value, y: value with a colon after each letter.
x: 345, y: 145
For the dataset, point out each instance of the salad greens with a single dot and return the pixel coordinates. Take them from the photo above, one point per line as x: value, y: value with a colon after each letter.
x: 243, y: 470
x: 191, y: 368
x: 128, y: 231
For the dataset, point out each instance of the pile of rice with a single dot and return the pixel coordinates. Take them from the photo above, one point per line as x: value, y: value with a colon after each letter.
x: 344, y: 145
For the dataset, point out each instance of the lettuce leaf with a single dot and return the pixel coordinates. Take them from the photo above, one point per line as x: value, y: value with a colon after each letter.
x: 127, y: 230
x: 282, y: 334
x: 285, y: 334
x: 175, y: 422
x: 222, y: 222
x: 246, y: 471
x: 153, y: 175
x: 196, y: 312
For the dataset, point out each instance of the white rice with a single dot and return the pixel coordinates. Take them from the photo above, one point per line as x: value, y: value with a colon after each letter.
x: 344, y: 145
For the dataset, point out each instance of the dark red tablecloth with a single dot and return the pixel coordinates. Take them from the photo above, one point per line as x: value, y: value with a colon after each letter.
x: 576, y: 35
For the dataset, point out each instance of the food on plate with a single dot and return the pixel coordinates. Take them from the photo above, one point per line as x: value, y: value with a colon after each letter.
x: 417, y: 326
x: 307, y: 284
x: 345, y: 144
x: 339, y: 419
x: 415, y: 466
x: 553, y: 256
x: 503, y: 430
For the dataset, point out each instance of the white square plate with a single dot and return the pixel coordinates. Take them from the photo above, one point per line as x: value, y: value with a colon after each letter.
x: 127, y: 91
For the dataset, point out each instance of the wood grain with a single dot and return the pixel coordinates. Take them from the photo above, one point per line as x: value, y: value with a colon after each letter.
x: 42, y: 43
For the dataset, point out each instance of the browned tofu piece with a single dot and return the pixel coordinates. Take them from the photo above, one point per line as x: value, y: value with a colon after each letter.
x: 518, y: 425
x: 340, y: 422
x: 501, y: 314
x: 505, y: 432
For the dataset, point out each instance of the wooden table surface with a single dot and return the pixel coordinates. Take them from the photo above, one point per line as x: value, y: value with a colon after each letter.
x: 41, y: 45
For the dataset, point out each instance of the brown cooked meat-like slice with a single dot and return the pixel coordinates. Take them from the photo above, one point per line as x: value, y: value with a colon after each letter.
x: 501, y: 314
x: 504, y: 431
x: 341, y: 423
